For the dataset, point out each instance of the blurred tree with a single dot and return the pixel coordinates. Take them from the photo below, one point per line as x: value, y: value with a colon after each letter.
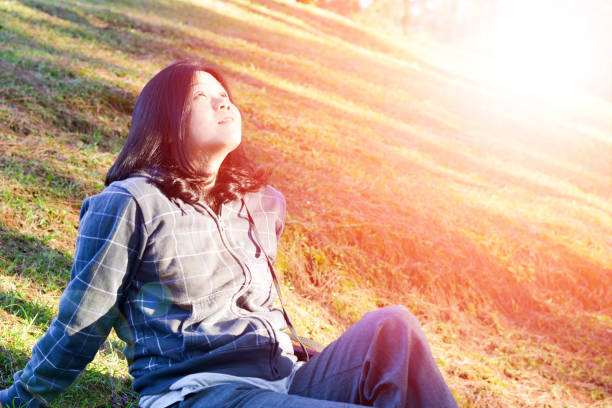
x: 406, y: 17
x: 343, y: 7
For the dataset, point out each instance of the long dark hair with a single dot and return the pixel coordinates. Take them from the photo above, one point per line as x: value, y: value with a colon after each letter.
x: 161, y: 115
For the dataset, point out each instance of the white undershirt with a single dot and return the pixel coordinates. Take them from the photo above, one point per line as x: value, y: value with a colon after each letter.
x: 197, y: 382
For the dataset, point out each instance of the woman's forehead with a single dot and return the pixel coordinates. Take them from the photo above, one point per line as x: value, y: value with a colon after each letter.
x: 204, y: 81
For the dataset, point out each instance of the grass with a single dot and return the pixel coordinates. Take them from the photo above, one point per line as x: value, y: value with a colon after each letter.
x: 410, y: 179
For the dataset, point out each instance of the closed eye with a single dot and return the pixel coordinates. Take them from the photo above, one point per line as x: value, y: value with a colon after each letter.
x: 199, y: 94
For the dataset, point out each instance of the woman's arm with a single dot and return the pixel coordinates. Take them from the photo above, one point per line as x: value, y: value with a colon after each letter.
x: 109, y: 245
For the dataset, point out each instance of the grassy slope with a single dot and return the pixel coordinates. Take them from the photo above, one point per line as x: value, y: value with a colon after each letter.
x: 408, y: 181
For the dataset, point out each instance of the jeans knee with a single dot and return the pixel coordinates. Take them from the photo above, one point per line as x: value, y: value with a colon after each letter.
x: 394, y: 316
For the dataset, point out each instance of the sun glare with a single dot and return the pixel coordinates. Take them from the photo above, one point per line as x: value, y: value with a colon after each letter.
x: 551, y: 48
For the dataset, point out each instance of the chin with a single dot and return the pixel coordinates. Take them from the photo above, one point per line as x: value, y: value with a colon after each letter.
x: 234, y: 142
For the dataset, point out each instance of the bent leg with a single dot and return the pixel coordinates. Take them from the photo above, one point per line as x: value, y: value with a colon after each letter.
x: 383, y: 360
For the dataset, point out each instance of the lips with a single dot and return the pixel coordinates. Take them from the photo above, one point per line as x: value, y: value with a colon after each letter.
x: 227, y: 119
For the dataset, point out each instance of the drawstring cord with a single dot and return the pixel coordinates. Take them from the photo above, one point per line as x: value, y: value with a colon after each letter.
x: 301, y: 340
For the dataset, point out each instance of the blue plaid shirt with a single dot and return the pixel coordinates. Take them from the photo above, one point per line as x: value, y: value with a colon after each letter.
x: 188, y: 291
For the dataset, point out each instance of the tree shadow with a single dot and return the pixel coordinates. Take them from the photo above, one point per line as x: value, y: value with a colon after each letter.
x: 47, y: 268
x: 75, y: 121
x: 11, y: 360
x: 126, y: 34
x: 41, y: 84
x: 34, y: 312
x: 107, y: 390
x: 324, y: 24
x: 58, y: 11
x: 321, y: 24
x: 28, y: 257
x: 123, y: 32
x: 45, y: 179
x: 42, y: 92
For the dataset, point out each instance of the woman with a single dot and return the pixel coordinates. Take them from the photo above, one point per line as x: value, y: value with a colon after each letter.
x: 176, y: 254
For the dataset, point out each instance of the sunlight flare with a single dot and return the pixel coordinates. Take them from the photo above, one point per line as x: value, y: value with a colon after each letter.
x: 552, y: 48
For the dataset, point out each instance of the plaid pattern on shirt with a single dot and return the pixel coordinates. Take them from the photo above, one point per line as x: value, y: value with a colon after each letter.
x: 187, y: 290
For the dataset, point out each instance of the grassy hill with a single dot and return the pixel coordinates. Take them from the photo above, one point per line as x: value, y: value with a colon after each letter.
x: 409, y: 180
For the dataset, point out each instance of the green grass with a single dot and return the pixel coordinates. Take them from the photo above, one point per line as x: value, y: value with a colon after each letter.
x: 409, y: 180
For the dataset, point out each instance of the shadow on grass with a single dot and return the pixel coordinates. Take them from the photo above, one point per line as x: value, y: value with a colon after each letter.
x: 11, y: 360
x: 323, y: 24
x: 185, y: 45
x: 33, y: 80
x: 43, y: 79
x: 33, y: 312
x: 91, y: 389
x: 48, y: 94
x: 48, y: 269
x: 138, y: 38
x: 28, y: 257
x: 47, y: 180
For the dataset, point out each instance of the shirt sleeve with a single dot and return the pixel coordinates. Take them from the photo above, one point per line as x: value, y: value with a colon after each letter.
x: 109, y: 245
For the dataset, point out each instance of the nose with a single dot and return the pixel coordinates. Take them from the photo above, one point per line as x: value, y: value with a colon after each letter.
x: 223, y: 105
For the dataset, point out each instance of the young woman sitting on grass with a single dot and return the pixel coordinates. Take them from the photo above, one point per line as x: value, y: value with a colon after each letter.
x: 176, y: 254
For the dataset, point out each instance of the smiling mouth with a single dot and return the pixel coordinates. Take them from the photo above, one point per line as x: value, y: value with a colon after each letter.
x: 226, y: 120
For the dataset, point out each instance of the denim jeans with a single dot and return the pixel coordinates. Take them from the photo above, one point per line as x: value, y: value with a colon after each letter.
x: 383, y: 360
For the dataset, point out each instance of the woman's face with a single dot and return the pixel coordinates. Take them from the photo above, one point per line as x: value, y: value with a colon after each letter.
x: 214, y: 126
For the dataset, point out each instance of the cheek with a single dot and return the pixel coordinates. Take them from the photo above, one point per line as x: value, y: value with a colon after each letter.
x: 200, y: 128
